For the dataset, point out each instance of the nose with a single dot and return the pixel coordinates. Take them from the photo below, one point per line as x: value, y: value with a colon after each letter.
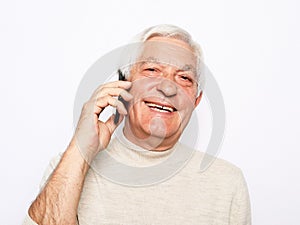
x: 167, y: 87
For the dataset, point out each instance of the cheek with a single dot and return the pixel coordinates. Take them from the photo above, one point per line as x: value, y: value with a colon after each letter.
x: 186, y: 100
x: 187, y: 106
x: 191, y: 95
x: 137, y: 92
x: 139, y: 86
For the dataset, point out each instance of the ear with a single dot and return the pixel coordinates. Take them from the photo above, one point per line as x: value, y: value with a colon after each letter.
x: 198, y: 99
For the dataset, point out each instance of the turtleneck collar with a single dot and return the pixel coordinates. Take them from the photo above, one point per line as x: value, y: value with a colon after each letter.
x: 124, y: 151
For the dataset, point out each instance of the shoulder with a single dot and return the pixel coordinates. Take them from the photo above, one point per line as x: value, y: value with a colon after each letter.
x: 211, y: 167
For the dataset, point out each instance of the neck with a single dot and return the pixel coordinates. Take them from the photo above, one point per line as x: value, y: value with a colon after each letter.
x: 149, y: 142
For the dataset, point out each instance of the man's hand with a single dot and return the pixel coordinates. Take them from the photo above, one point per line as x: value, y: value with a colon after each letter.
x: 93, y: 135
x: 57, y: 203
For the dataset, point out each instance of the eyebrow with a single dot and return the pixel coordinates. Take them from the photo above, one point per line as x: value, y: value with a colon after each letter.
x: 149, y: 59
x: 187, y: 67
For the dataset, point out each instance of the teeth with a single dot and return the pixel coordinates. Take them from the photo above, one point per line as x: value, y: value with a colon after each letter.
x: 168, y: 108
x: 160, y: 110
x: 160, y: 107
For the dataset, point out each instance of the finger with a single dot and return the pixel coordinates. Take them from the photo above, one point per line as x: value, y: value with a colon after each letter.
x: 119, y: 83
x: 115, y: 84
x: 115, y: 92
x: 107, y: 100
x: 110, y: 123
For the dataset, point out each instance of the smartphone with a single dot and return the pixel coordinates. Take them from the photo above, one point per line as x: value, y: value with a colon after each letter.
x: 117, y: 117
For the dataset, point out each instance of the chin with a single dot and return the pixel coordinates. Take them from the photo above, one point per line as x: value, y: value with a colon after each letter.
x: 156, y: 127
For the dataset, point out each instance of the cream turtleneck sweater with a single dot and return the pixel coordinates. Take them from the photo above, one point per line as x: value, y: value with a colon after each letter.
x: 130, y: 185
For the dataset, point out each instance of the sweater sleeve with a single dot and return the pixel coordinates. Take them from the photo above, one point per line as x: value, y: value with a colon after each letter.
x: 29, y: 221
x: 240, y: 208
x: 52, y: 165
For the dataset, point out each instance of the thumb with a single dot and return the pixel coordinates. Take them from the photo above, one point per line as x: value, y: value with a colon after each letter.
x: 110, y: 123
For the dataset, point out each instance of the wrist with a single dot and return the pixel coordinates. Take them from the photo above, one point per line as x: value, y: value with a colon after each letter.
x: 75, y: 159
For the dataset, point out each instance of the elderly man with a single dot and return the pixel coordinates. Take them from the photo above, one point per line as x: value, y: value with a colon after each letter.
x: 157, y: 100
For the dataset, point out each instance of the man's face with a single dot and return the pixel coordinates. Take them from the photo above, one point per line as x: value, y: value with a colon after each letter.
x: 164, y: 86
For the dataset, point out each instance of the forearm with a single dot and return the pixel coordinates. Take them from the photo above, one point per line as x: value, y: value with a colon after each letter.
x: 58, y: 201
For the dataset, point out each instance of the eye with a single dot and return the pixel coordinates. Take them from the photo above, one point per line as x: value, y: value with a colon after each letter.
x: 185, y: 80
x: 151, y: 71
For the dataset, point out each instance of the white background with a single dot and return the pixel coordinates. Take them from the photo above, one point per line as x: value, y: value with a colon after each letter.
x: 251, y: 47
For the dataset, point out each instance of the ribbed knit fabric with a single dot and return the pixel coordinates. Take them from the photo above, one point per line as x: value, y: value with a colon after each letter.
x: 217, y: 196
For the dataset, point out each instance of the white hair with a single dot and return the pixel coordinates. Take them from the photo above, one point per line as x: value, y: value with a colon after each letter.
x: 171, y: 31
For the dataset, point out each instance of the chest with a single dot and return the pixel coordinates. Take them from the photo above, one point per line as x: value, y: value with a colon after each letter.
x: 177, y: 201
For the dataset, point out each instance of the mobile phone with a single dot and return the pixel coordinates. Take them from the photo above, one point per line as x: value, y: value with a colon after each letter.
x: 117, y: 117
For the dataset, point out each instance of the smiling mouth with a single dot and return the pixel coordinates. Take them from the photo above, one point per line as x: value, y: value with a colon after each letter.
x: 160, y: 107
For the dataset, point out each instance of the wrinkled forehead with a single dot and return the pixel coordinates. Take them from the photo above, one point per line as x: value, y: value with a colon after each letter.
x: 167, y: 53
